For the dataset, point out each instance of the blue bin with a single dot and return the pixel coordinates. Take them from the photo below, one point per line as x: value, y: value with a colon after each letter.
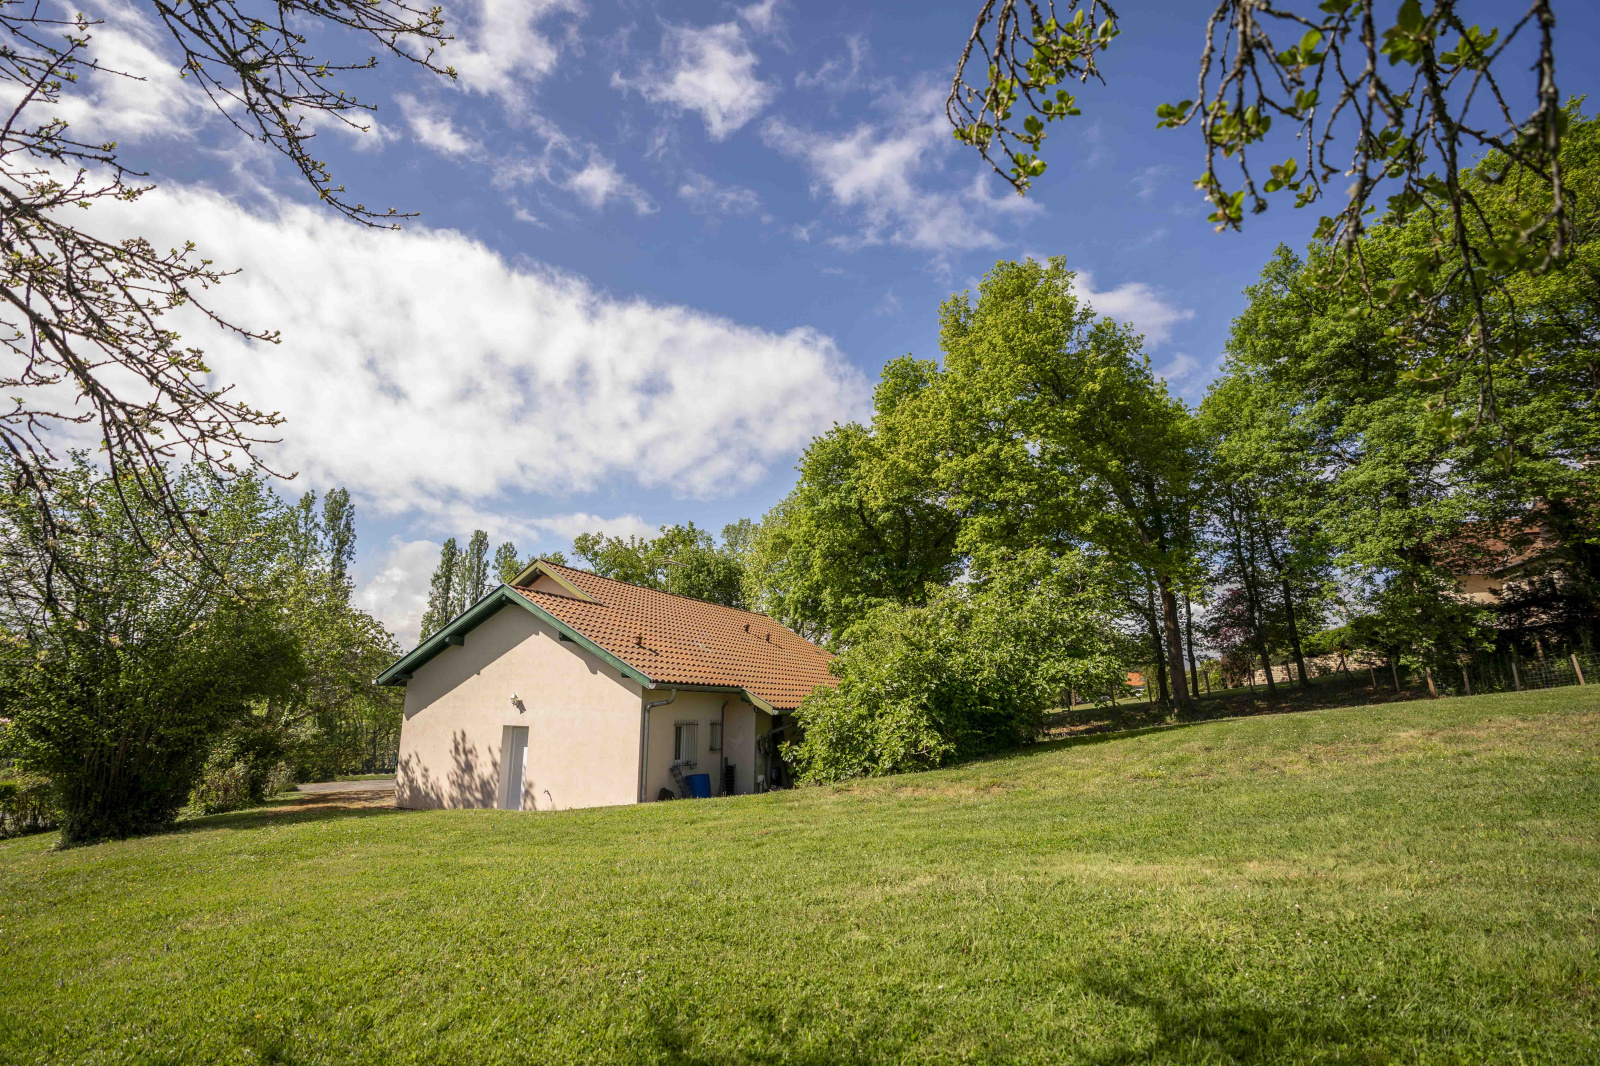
x: 699, y: 786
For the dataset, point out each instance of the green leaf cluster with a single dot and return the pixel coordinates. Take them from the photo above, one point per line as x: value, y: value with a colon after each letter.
x: 970, y: 671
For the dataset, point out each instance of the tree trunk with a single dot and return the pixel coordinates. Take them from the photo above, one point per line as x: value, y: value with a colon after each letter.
x: 1253, y: 602
x: 1158, y: 657
x: 1288, y: 612
x: 1188, y: 633
x: 1169, y: 615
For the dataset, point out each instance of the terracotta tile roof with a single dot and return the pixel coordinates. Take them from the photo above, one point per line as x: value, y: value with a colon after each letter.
x: 677, y: 640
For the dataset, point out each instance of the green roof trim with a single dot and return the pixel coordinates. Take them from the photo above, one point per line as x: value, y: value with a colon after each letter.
x: 538, y: 568
x: 454, y: 633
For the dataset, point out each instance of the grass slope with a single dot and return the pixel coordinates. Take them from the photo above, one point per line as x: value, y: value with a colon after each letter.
x: 1409, y: 883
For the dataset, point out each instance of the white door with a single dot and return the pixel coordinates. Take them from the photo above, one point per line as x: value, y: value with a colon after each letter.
x: 514, y: 743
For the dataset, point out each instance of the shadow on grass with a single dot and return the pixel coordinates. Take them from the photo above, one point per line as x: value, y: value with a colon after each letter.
x: 675, y: 1041
x: 1191, y: 1024
x: 1126, y: 719
x: 297, y: 807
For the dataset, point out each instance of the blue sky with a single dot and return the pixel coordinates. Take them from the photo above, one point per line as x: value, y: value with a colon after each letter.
x: 660, y: 246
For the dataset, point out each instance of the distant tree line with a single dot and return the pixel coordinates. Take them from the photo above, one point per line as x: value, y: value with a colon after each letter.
x: 682, y: 559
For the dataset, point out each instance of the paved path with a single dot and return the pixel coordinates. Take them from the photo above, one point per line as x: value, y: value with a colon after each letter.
x: 347, y: 786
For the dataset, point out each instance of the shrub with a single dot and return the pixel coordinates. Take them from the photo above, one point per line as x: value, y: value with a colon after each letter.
x: 222, y: 787
x: 972, y: 671
x: 26, y: 805
x: 128, y: 665
x: 246, y: 766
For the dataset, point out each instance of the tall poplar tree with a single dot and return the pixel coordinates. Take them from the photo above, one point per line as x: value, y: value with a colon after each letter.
x: 441, y: 591
x: 473, y: 579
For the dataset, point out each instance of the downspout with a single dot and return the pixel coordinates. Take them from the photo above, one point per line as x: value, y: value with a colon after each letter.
x: 644, y: 736
x: 722, y: 747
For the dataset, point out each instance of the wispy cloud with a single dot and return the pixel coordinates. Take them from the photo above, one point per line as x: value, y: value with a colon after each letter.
x: 502, y: 48
x: 839, y: 74
x: 1134, y: 301
x: 706, y: 196
x: 709, y: 70
x: 599, y: 182
x: 878, y: 171
x: 1147, y: 180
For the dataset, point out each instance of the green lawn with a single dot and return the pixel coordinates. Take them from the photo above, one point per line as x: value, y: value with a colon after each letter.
x: 1408, y: 883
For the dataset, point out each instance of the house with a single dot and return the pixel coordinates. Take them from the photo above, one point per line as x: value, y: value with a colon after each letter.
x: 567, y: 689
x: 1492, y: 562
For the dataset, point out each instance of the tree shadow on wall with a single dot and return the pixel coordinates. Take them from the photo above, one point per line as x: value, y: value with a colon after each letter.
x: 472, y: 780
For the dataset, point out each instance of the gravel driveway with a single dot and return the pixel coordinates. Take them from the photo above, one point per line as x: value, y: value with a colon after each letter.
x: 347, y: 786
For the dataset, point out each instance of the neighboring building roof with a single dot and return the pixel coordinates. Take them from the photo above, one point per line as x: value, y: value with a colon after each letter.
x: 1495, y: 550
x: 659, y: 639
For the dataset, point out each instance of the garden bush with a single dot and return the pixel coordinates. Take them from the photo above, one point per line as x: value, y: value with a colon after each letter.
x: 27, y: 805
x: 972, y: 671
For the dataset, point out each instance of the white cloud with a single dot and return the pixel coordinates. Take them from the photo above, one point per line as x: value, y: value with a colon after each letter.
x: 875, y: 169
x: 839, y: 74
x: 600, y: 182
x: 704, y: 195
x: 1146, y: 180
x: 432, y: 126
x: 137, y: 97
x: 500, y: 50
x: 762, y: 17
x: 586, y: 173
x: 397, y: 592
x: 568, y: 526
x: 421, y: 369
x: 1134, y: 302
x: 1181, y: 366
x: 710, y: 70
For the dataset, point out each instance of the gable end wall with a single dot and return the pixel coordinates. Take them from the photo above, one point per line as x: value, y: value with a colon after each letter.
x: 582, y: 722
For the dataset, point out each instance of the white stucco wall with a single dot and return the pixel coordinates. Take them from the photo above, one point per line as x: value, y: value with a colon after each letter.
x: 703, y: 708
x: 582, y: 721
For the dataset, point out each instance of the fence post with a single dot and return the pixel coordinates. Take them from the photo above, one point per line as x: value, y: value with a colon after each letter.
x: 1516, y: 676
x: 1578, y: 667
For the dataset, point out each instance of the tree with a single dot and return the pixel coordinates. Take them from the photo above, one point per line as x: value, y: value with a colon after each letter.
x: 507, y: 564
x: 1265, y: 494
x: 339, y: 536
x: 869, y: 521
x: 683, y: 560
x: 83, y: 317
x: 116, y: 686
x: 442, y: 596
x: 332, y: 719
x: 472, y: 581
x: 1417, y: 94
x: 1076, y: 442
x: 970, y: 671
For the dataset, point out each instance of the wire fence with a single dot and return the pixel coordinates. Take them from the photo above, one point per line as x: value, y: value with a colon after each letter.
x: 1513, y: 673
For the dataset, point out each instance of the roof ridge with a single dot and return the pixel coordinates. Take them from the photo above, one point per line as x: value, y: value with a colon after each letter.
x: 674, y: 595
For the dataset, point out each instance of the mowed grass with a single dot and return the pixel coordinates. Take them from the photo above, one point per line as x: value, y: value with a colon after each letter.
x: 1407, y: 883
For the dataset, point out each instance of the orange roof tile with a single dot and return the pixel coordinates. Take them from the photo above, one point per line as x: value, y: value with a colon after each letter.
x: 677, y: 640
